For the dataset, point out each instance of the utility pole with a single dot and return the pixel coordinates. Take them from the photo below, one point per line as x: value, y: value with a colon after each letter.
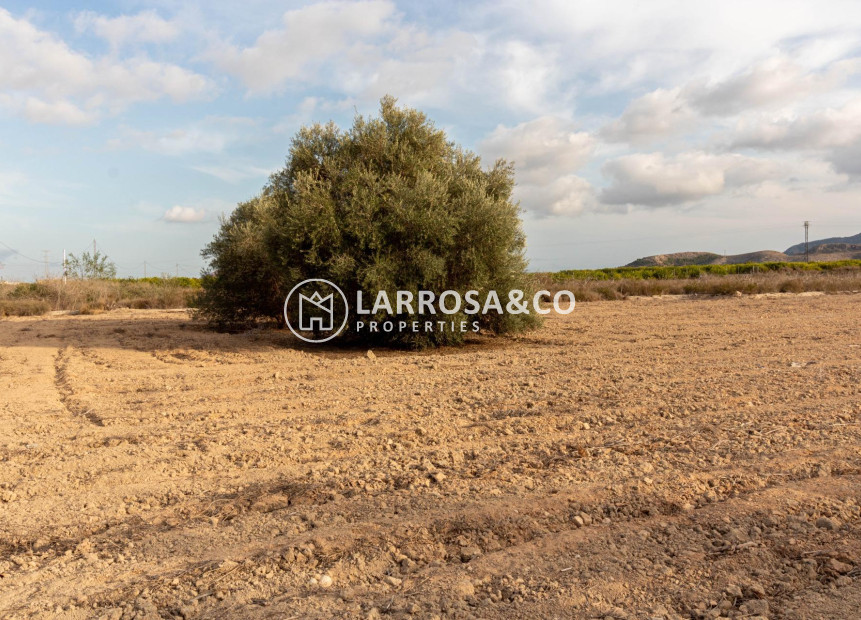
x: 94, y: 249
x: 45, y: 256
x: 806, y: 246
x: 64, y: 265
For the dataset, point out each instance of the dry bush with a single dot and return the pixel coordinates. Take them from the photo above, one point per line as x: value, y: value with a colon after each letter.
x: 23, y: 307
x: 93, y: 296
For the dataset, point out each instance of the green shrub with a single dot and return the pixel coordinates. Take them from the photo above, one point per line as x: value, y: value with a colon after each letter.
x: 390, y: 204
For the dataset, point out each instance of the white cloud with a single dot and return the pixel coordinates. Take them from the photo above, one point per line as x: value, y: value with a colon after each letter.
x: 184, y: 215
x: 234, y: 172
x: 819, y: 129
x: 621, y: 47
x: 847, y: 159
x: 541, y: 149
x: 145, y: 27
x: 47, y: 112
x: 212, y: 135
x: 420, y: 67
x: 308, y: 37
x: 833, y: 132
x: 775, y: 80
x: 656, y: 114
x: 565, y: 195
x: 527, y: 75
x: 651, y: 179
x: 546, y: 151
x: 45, y: 80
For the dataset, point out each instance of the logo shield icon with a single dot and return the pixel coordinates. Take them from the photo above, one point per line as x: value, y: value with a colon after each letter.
x: 313, y: 310
x: 316, y: 312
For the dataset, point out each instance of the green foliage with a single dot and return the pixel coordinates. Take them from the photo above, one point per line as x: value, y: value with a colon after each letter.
x: 697, y: 271
x: 180, y: 281
x: 390, y: 205
x: 95, y: 266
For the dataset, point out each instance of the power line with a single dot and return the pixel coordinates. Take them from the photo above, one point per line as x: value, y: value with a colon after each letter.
x: 9, y: 247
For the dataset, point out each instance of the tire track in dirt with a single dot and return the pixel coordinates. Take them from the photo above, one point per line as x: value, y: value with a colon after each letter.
x: 515, y: 530
x: 63, y: 383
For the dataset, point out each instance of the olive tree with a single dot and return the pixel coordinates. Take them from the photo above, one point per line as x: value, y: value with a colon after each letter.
x: 390, y: 204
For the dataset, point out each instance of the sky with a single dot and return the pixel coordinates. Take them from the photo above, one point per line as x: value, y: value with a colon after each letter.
x: 636, y: 128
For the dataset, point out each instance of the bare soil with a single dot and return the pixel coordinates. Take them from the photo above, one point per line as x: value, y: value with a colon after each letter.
x: 652, y: 458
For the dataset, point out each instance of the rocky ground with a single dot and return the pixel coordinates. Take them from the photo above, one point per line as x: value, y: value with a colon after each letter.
x: 653, y: 458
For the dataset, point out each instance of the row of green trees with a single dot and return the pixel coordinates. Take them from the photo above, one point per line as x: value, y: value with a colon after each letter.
x: 696, y: 271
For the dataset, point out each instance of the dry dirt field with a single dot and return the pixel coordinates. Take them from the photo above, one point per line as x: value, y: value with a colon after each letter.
x: 652, y: 458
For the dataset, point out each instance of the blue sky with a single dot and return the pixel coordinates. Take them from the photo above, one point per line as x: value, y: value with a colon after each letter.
x: 635, y: 128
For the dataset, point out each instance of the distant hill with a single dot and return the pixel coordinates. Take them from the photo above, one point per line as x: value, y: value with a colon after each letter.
x: 830, y: 245
x: 676, y: 260
x: 680, y: 259
x: 835, y: 248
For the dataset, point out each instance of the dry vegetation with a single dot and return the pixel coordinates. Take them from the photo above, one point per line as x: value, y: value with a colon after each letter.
x: 653, y: 458
x: 93, y: 296
x: 836, y: 281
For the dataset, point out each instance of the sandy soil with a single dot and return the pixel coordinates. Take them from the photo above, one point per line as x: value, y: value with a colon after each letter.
x: 654, y: 458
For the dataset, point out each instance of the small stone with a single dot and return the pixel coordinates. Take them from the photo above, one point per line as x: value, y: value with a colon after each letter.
x: 325, y: 581
x: 754, y: 590
x: 393, y: 581
x: 469, y: 553
x: 370, y: 355
x: 437, y: 476
x: 755, y: 607
x: 736, y: 535
x: 463, y: 588
x: 826, y: 523
x: 578, y: 520
x: 733, y: 591
x: 841, y: 568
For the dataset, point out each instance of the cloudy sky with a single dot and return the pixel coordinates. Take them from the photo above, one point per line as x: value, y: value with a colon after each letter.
x: 636, y: 127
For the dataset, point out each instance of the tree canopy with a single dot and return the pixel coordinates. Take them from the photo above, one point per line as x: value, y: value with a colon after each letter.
x: 390, y: 204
